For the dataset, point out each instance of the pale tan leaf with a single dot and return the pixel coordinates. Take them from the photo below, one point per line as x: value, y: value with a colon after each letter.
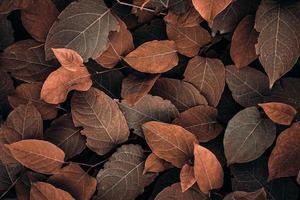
x: 187, y: 177
x: 153, y: 57
x: 208, y: 170
x: 103, y: 123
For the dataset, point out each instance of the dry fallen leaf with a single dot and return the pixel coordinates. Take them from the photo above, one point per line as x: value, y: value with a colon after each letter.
x: 284, y: 160
x: 103, y: 123
x: 279, y: 113
x: 187, y: 177
x: 38, y: 155
x: 169, y: 142
x: 46, y: 191
x: 155, y: 164
x: 239, y: 195
x: 190, y: 18
x: 153, y: 57
x: 72, y: 75
x: 208, y: 170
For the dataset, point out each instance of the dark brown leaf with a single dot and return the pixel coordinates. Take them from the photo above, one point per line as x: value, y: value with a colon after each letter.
x: 169, y: 142
x: 242, y: 50
x: 30, y: 93
x: 75, y: 181
x: 247, y: 136
x: 135, y: 88
x: 122, y: 176
x: 201, y: 121
x: 66, y: 136
x: 103, y: 123
x: 153, y: 57
x: 244, y: 89
x: 8, y: 176
x: 46, y: 191
x: 182, y: 94
x: 25, y: 60
x: 149, y: 108
x: 208, y: 75
x: 279, y: 113
x: 239, y: 195
x: 38, y: 155
x: 6, y: 86
x: 6, y: 6
x: 284, y: 160
x: 278, y: 46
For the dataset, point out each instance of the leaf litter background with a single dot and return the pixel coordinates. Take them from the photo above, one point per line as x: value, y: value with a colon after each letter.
x: 149, y: 99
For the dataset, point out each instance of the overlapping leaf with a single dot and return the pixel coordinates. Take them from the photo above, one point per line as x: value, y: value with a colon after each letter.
x: 45, y: 191
x: 240, y: 195
x: 155, y: 164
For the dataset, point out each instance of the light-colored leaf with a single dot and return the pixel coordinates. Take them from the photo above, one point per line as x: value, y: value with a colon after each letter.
x: 155, y: 164
x: 46, y: 191
x: 187, y: 177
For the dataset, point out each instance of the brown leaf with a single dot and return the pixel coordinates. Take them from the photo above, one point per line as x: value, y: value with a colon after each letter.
x: 298, y: 178
x: 135, y: 88
x: 208, y: 170
x: 284, y: 160
x: 229, y: 18
x: 25, y: 60
x: 7, y: 136
x: 46, y: 191
x: 6, y: 6
x: 239, y: 195
x: 30, y: 93
x: 120, y: 43
x: 149, y: 108
x: 6, y: 86
x: 38, y: 155
x: 66, y: 136
x: 169, y: 142
x: 60, y: 82
x: 84, y: 27
x: 103, y: 123
x: 244, y: 89
x: 191, y: 18
x: 38, y: 17
x: 278, y: 44
x: 174, y: 192
x: 182, y: 94
x: 209, y: 9
x: 122, y: 176
x: 188, y: 40
x: 247, y: 136
x: 26, y: 121
x: 8, y: 175
x: 279, y: 113
x: 75, y: 181
x: 201, y: 121
x: 208, y: 76
x: 154, y: 164
x: 187, y: 177
x: 153, y: 57
x: 242, y: 50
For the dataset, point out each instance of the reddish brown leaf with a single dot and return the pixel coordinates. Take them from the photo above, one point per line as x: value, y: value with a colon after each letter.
x: 169, y: 142
x: 46, y: 191
x: 209, y: 9
x: 25, y: 60
x: 120, y: 43
x: 38, y: 155
x: 201, y: 121
x: 191, y: 18
x: 135, y: 88
x: 174, y: 192
x: 153, y: 57
x: 279, y: 113
x: 7, y: 136
x: 66, y: 136
x: 103, y: 123
x: 239, y: 195
x: 284, y: 160
x: 60, y: 82
x: 208, y: 170
x: 278, y: 44
x: 38, y: 17
x: 6, y: 86
x: 30, y: 93
x: 75, y: 181
x: 122, y: 176
x: 154, y: 164
x: 6, y: 6
x: 149, y: 108
x: 182, y: 94
x: 244, y: 38
x: 208, y: 75
x: 187, y: 177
